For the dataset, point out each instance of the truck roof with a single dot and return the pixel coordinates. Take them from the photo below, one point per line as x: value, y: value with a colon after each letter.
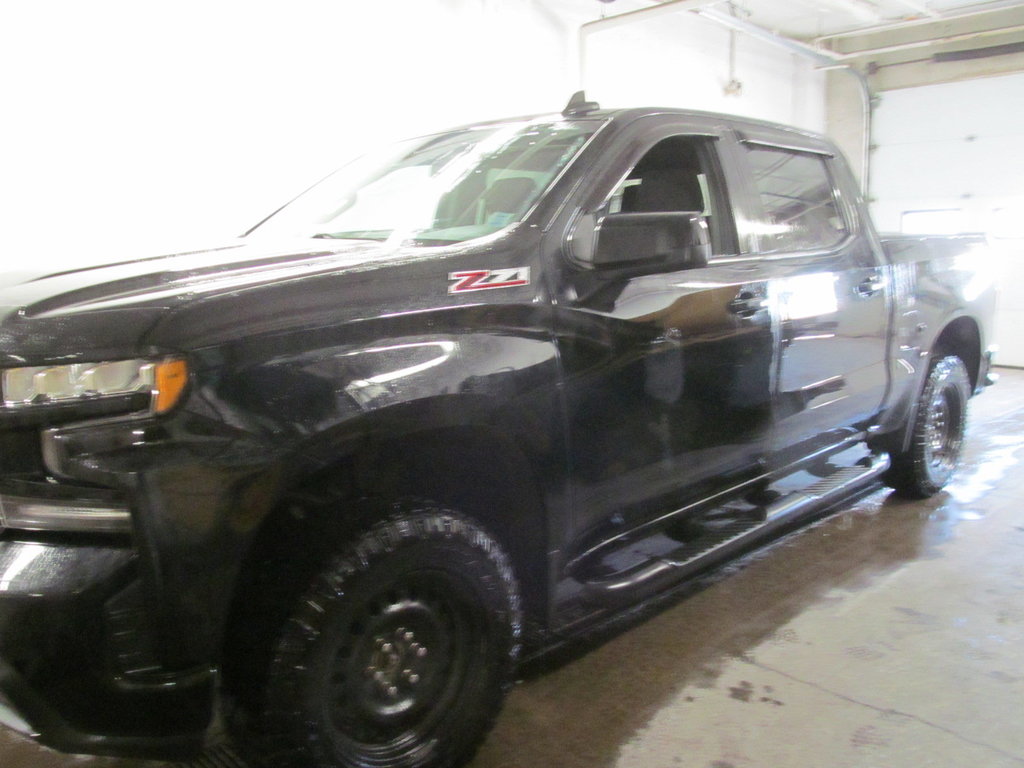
x: 629, y: 114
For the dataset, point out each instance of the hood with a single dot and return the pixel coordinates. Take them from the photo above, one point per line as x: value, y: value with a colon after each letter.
x: 169, y: 280
x: 104, y: 310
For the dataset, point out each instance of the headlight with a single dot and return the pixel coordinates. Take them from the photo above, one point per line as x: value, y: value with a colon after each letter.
x: 44, y: 384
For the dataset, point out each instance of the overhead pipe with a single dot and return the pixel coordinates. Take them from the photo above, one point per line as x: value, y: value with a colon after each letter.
x: 630, y: 17
x: 825, y: 61
x: 621, y: 19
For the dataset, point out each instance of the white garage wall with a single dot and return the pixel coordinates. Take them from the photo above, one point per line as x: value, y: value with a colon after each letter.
x: 683, y: 60
x: 958, y: 148
x: 127, y: 127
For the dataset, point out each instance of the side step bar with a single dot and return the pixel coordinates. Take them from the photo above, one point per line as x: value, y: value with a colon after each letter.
x: 692, y: 556
x: 829, y: 489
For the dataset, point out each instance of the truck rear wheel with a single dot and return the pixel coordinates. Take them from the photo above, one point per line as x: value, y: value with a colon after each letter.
x: 400, y: 653
x: 937, y: 432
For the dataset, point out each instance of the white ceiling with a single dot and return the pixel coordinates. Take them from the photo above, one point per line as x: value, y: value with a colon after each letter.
x: 815, y: 19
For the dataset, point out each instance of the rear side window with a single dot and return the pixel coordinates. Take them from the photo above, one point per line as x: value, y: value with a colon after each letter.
x: 798, y: 199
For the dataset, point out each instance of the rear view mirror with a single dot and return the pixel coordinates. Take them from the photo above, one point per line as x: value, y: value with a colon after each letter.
x: 659, y: 241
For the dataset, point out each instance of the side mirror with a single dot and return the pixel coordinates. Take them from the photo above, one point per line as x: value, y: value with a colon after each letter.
x: 651, y: 241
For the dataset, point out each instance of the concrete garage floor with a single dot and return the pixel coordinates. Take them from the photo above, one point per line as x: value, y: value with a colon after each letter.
x: 889, y: 635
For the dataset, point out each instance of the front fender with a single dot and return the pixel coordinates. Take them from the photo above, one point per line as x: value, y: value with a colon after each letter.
x: 262, y: 419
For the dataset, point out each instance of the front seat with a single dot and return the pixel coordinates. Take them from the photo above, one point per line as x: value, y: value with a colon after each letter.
x: 507, y: 199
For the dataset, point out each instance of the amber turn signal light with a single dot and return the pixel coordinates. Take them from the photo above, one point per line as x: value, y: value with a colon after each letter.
x: 171, y: 378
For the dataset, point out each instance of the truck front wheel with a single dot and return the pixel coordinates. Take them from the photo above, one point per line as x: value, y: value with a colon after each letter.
x: 937, y: 432
x: 399, y: 655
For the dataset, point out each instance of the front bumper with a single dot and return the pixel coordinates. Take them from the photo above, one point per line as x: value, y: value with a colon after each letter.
x: 111, y: 631
x: 77, y: 671
x: 41, y: 506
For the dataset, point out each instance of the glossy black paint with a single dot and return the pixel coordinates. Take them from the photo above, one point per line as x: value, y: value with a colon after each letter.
x: 325, y: 376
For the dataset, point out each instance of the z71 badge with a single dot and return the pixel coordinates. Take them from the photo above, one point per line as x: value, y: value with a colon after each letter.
x: 485, y: 279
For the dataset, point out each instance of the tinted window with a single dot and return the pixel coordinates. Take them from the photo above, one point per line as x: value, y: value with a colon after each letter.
x: 678, y: 174
x: 797, y: 196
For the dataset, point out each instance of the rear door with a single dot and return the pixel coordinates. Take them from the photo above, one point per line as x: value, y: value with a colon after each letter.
x: 828, y: 292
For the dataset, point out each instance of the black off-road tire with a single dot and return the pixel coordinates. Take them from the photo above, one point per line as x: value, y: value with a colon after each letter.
x: 937, y: 432
x: 398, y: 656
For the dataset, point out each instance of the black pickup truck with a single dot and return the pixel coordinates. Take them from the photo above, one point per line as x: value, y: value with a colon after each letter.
x: 466, y: 398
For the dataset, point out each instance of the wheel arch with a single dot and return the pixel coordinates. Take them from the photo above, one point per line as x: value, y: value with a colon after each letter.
x: 961, y: 336
x: 480, y: 471
x: 476, y: 469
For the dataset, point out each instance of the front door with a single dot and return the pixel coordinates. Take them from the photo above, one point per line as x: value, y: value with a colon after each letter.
x: 667, y: 371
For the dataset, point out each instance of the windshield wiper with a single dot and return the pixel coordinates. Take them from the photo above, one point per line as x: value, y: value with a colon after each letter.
x: 331, y: 236
x: 375, y: 235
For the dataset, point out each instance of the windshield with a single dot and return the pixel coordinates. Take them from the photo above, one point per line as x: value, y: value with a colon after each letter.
x: 436, y: 190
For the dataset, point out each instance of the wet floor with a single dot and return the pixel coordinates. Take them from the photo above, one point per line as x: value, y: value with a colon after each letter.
x: 890, y: 634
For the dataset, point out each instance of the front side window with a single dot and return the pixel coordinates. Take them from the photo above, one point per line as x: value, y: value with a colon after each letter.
x: 678, y: 174
x: 798, y: 200
x: 436, y: 190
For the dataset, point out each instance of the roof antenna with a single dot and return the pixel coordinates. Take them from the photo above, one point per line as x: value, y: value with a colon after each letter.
x: 578, y: 105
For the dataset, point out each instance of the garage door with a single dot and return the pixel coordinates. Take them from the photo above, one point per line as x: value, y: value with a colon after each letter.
x: 950, y: 158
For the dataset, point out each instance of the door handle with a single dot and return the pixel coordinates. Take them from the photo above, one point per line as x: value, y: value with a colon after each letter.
x: 671, y: 336
x: 746, y: 304
x: 870, y: 285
